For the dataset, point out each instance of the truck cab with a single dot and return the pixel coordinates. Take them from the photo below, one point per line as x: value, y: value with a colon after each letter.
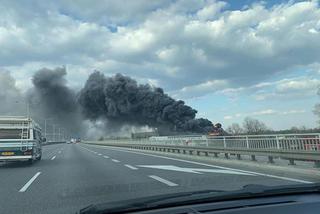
x: 20, y: 139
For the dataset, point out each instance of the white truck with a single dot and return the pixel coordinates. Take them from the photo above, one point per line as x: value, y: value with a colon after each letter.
x: 20, y: 139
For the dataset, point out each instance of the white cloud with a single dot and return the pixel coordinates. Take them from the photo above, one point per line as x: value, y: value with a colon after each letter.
x: 264, y: 112
x: 228, y: 117
x: 294, y: 85
x: 238, y: 115
x: 201, y: 89
x: 211, y: 10
x: 47, y: 37
x: 191, y: 47
x: 287, y: 88
x: 111, y: 12
x: 301, y: 111
x: 12, y: 101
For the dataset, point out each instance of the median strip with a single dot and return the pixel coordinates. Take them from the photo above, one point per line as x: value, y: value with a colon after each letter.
x: 162, y: 180
x: 25, y: 187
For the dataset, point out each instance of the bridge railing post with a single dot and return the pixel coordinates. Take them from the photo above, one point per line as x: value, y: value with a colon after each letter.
x: 247, y: 142
x: 278, y: 144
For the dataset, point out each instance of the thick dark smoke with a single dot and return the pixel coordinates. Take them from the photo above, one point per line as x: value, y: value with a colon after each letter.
x: 121, y: 100
x: 111, y: 103
x: 51, y: 98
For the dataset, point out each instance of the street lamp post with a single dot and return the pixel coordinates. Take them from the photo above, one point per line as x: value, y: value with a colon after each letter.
x: 53, y: 133
x: 28, y: 109
x: 45, y: 126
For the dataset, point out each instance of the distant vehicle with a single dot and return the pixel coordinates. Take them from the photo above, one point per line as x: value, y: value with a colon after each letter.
x: 74, y: 140
x: 20, y: 139
x: 78, y: 140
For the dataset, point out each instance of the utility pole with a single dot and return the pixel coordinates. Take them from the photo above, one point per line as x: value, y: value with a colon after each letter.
x: 63, y: 134
x: 28, y: 109
x: 45, y: 126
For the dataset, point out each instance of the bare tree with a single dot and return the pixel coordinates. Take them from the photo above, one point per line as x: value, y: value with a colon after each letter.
x: 254, y: 126
x: 235, y: 129
x: 294, y: 129
x: 316, y: 110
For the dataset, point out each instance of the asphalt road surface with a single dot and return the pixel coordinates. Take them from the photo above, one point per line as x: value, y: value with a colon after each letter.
x: 72, y: 176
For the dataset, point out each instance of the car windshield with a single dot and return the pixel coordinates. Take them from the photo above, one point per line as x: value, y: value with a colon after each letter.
x: 106, y: 101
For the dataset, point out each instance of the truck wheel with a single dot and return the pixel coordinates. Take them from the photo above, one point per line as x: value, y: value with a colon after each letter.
x: 40, y: 155
x: 30, y: 161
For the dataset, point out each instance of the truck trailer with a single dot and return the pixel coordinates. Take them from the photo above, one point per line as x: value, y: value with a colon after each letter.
x: 20, y: 139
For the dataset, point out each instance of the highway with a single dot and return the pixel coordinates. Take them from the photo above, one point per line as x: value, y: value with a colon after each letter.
x: 72, y: 176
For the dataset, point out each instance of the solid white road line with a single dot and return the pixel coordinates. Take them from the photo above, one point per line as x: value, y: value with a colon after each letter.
x: 114, y: 160
x: 53, y: 157
x: 169, y: 183
x: 203, y: 164
x: 25, y: 187
x: 105, y: 156
x: 131, y: 167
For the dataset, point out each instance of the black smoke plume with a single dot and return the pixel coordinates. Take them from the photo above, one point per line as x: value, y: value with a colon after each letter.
x: 121, y: 100
x: 51, y: 98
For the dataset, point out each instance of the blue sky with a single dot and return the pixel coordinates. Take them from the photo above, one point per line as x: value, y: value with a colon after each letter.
x: 227, y: 59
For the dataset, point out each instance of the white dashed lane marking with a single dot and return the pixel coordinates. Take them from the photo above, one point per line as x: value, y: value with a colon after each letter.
x: 162, y: 180
x: 114, y: 160
x: 25, y: 187
x: 54, y: 157
x: 131, y: 167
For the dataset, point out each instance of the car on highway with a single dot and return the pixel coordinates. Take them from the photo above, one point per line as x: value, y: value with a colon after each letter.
x: 20, y: 139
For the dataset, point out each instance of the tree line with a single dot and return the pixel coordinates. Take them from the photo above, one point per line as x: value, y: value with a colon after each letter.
x: 254, y: 126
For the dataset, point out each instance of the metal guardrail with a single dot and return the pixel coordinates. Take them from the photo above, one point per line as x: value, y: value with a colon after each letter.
x: 305, y: 147
x: 53, y: 142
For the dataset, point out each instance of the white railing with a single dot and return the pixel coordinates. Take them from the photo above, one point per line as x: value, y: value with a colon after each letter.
x: 283, y: 142
x: 298, y: 142
x: 304, y: 147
